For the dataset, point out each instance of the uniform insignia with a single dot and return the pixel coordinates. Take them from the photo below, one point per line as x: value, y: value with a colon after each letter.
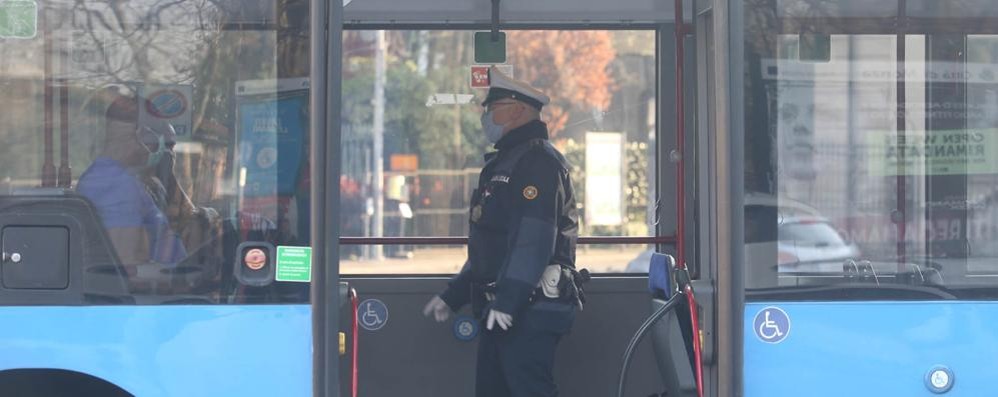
x: 476, y: 213
x: 530, y: 192
x: 501, y: 179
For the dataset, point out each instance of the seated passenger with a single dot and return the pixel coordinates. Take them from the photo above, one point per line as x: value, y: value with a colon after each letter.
x: 139, y: 230
x: 199, y: 228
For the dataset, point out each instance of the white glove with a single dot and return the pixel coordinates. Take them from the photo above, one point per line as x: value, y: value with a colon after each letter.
x: 438, y: 308
x: 496, y: 317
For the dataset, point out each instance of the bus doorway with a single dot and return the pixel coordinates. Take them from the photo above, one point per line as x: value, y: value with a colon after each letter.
x: 412, y: 149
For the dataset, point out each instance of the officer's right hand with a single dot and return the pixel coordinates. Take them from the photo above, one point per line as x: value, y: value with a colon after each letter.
x: 439, y: 309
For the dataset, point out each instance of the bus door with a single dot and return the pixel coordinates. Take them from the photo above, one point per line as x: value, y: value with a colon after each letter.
x: 869, y: 198
x: 412, y: 149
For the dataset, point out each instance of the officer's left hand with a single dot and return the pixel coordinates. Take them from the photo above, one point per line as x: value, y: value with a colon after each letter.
x: 497, y: 317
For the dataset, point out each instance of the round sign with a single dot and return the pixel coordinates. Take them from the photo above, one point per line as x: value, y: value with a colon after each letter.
x: 255, y: 259
x: 465, y: 328
x: 939, y: 379
x: 266, y: 157
x: 372, y: 314
x: 166, y: 104
x: 771, y: 325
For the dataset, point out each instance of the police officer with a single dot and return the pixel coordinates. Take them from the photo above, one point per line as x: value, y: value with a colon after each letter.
x: 520, y: 273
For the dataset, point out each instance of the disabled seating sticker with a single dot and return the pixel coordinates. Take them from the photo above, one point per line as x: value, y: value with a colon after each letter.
x: 771, y: 325
x: 372, y: 314
x: 465, y: 328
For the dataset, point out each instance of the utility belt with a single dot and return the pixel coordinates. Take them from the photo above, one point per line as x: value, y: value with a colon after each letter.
x: 559, y: 283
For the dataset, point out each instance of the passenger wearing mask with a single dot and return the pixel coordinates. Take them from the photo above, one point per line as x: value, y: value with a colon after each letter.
x: 114, y: 183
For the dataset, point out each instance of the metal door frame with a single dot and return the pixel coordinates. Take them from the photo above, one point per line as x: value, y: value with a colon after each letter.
x: 727, y: 203
x: 325, y: 51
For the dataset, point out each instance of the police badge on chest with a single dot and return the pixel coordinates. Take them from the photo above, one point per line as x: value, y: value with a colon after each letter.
x: 477, y: 209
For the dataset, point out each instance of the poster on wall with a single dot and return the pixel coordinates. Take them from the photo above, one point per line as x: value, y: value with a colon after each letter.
x: 272, y: 127
x: 272, y: 131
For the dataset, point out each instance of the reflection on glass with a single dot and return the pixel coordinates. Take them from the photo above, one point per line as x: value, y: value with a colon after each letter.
x: 181, y: 128
x: 870, y: 167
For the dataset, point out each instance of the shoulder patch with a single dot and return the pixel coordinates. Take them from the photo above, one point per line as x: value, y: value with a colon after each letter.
x: 530, y: 192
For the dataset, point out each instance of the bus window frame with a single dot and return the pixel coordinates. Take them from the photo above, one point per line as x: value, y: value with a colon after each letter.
x: 660, y: 241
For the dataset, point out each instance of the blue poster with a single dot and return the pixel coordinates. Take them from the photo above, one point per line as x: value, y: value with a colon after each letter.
x: 272, y: 144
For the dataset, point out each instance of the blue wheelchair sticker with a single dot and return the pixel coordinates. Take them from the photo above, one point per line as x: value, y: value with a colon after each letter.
x: 465, y: 328
x: 771, y: 325
x: 939, y: 379
x: 372, y: 314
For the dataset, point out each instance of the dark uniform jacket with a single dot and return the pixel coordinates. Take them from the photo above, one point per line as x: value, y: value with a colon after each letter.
x: 523, y: 218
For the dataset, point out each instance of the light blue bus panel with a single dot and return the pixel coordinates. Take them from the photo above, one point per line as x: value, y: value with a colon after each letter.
x: 871, y: 349
x: 153, y: 351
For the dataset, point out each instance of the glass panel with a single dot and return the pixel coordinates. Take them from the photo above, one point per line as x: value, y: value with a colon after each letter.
x: 844, y: 186
x: 952, y: 9
x: 835, y: 8
x: 169, y: 134
x: 981, y: 224
x: 413, y: 144
x: 442, y: 259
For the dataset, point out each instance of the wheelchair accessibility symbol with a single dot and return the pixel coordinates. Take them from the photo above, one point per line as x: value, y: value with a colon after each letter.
x: 772, y: 325
x: 372, y: 314
x: 465, y: 328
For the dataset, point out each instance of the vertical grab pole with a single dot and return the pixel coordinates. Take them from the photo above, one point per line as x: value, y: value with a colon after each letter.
x: 899, y: 216
x: 495, y: 20
x: 680, y: 138
x: 65, y: 171
x: 48, y: 167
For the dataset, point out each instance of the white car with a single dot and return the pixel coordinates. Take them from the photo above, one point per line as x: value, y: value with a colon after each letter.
x: 784, y: 239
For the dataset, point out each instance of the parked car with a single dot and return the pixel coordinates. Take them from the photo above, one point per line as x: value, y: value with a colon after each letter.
x: 782, y: 237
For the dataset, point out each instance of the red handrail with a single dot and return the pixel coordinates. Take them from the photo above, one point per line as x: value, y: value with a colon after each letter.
x: 354, y: 300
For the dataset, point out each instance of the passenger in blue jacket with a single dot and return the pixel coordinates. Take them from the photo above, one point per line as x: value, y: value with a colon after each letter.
x: 520, y: 273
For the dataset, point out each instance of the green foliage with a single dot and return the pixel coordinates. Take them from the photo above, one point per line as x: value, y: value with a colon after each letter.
x: 443, y: 136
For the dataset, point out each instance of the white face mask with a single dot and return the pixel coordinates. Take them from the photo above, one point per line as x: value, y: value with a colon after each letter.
x: 493, y: 131
x: 127, y: 130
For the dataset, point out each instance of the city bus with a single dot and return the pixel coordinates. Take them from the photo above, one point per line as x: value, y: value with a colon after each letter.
x: 220, y: 197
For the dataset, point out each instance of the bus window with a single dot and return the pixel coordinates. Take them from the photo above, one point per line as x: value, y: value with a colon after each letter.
x: 888, y: 142
x: 413, y: 145
x: 172, y: 137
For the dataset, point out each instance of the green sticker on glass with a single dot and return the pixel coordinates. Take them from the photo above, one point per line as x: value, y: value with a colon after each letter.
x: 18, y: 19
x: 294, y: 264
x: 937, y: 152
